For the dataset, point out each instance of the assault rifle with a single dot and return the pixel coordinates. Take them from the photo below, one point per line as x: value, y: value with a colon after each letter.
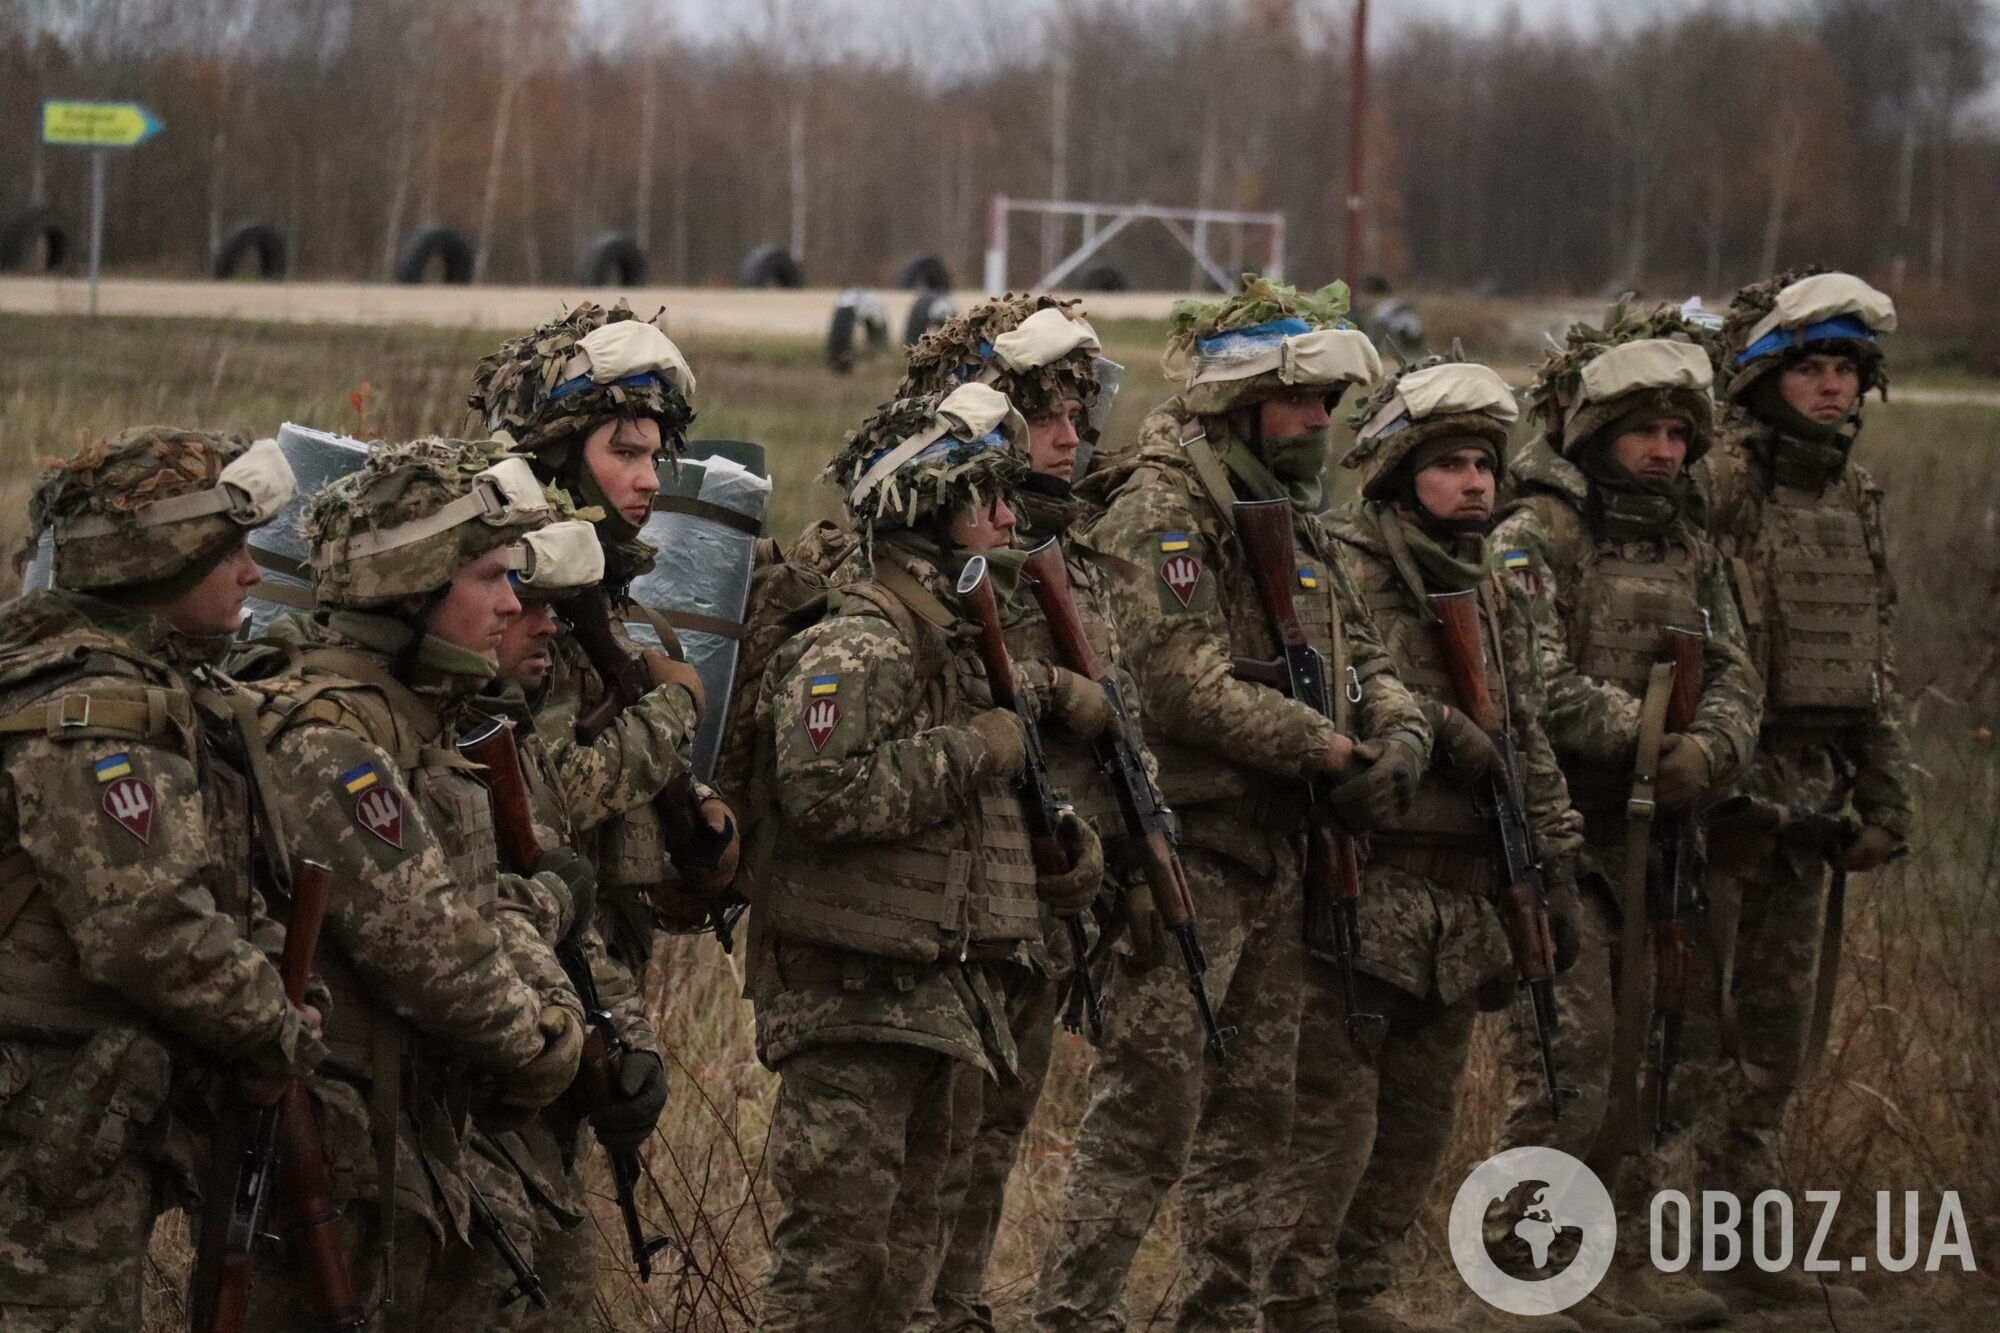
x: 604, y: 1048
x: 273, y: 1133
x: 697, y: 848
x: 1041, y: 809
x: 1333, y: 865
x: 1148, y: 822
x: 1676, y: 889
x: 1523, y: 898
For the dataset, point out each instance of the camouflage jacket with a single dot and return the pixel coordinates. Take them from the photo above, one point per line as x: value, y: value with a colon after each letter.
x: 1793, y: 581
x: 609, y: 784
x: 436, y: 960
x: 1593, y: 722
x: 869, y: 710
x: 127, y: 877
x: 1420, y: 929
x: 1184, y: 603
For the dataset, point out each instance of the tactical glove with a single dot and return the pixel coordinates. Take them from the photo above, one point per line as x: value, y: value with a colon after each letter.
x: 666, y: 671
x: 1337, y: 757
x: 1463, y: 748
x: 548, y: 1075
x: 642, y: 1094
x: 579, y: 880
x: 714, y: 879
x: 1683, y: 774
x: 1076, y: 888
x: 1080, y: 703
x: 1872, y: 849
x: 1379, y: 793
x: 1005, y: 740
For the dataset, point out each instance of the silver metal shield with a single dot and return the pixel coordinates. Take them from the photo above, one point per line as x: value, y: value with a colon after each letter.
x: 1109, y: 375
x: 705, y: 524
x: 317, y: 458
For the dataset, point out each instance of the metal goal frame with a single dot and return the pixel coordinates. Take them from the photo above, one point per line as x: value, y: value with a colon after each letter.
x: 1102, y: 222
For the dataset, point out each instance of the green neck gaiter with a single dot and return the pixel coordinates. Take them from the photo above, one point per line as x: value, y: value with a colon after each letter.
x: 1766, y: 402
x: 1287, y: 469
x: 1625, y: 507
x: 1464, y: 564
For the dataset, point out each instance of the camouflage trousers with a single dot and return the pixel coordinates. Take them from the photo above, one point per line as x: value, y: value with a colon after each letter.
x: 974, y: 1190
x: 1161, y: 1111
x: 76, y: 1267
x: 860, y: 1141
x: 1365, y: 1145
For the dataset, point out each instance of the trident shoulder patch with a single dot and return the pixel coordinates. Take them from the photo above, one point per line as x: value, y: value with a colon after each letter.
x: 822, y: 713
x: 130, y: 802
x: 380, y: 811
x: 1180, y: 570
x: 1522, y: 568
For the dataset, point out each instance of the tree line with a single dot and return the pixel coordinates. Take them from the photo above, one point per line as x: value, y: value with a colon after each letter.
x: 1687, y: 151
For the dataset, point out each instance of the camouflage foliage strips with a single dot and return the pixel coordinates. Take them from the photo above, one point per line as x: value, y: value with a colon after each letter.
x: 401, y: 483
x: 510, y: 390
x: 1557, y: 385
x: 114, y: 478
x: 950, y: 354
x: 1260, y: 301
x: 952, y: 476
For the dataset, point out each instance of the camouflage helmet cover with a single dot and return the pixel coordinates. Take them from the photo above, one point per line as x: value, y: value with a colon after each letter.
x: 155, y: 502
x: 1262, y: 341
x: 1635, y: 363
x: 1037, y: 359
x: 939, y: 453
x: 560, y: 381
x: 1808, y: 309
x: 413, y: 515
x: 1438, y: 398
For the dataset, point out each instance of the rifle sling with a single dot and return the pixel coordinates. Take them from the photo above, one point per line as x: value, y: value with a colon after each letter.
x: 1828, y: 980
x: 1624, y: 1132
x: 1213, y: 476
x: 913, y: 594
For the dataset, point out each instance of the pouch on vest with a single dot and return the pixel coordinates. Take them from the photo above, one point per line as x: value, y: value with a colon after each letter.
x: 100, y: 1107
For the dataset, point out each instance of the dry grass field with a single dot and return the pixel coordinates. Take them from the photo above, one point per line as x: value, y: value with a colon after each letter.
x: 1907, y: 1098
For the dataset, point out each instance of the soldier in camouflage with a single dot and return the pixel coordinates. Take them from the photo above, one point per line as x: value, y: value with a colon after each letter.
x: 598, y: 399
x: 440, y: 966
x: 1260, y: 371
x: 1607, y: 538
x: 902, y: 886
x: 1043, y: 355
x: 1434, y: 949
x: 132, y: 933
x: 563, y: 560
x: 1799, y: 523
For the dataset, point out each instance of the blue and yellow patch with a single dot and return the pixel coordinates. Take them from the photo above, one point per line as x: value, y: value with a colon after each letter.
x: 824, y: 685
x: 1173, y: 541
x: 359, y: 779
x: 112, y: 766
x: 1308, y: 578
x: 1514, y: 560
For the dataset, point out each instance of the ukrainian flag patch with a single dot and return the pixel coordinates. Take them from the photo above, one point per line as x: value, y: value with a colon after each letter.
x: 1307, y: 578
x: 359, y: 779
x: 1173, y: 541
x: 112, y: 766
x: 1514, y: 560
x: 824, y: 685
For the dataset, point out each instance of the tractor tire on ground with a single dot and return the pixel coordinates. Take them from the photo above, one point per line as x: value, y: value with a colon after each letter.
x: 260, y: 239
x: 927, y: 311
x: 33, y: 240
x: 769, y: 266
x: 924, y: 273
x: 613, y: 260
x: 1100, y: 278
x: 443, y: 244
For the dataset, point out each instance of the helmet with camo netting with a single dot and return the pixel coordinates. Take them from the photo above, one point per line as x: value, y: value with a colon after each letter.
x: 1440, y: 404
x: 1037, y: 350
x: 154, y: 506
x: 1637, y: 366
x: 413, y: 515
x: 937, y: 454
x: 1265, y: 340
x: 1797, y: 313
x: 552, y: 386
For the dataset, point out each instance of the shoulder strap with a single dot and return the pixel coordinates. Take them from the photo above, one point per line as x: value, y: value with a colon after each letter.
x: 924, y: 636
x: 1213, y: 476
x: 900, y: 581
x: 18, y: 883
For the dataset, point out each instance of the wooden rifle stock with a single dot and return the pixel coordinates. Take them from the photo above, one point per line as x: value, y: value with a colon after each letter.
x: 1145, y: 816
x: 1674, y: 900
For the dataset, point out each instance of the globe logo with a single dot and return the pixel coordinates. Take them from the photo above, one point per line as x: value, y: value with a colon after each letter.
x: 1550, y: 1203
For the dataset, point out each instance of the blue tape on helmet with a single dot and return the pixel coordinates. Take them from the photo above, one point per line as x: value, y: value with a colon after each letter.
x: 1827, y: 330
x: 582, y: 382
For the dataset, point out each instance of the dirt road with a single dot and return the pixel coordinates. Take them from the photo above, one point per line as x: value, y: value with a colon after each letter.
x: 690, y: 310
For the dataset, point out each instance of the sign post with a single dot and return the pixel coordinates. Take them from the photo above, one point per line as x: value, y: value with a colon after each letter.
x: 97, y: 126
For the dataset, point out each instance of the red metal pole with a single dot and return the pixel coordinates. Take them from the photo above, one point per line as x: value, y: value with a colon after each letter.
x: 1357, y: 112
